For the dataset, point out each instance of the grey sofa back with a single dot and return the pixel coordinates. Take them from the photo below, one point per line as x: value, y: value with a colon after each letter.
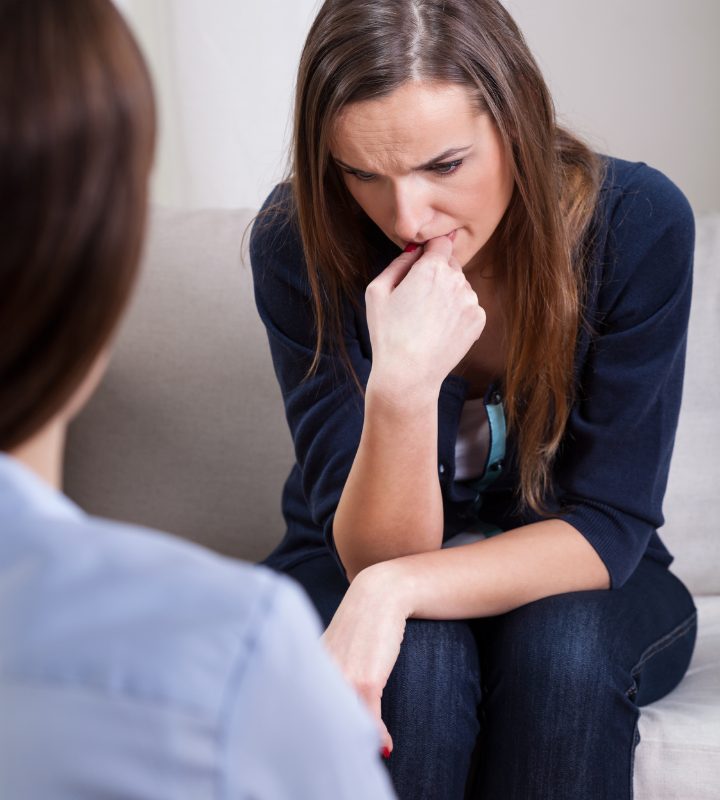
x: 187, y: 432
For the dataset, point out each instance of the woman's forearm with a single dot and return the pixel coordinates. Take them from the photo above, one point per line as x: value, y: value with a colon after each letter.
x: 391, y: 505
x: 423, y: 316
x: 492, y: 576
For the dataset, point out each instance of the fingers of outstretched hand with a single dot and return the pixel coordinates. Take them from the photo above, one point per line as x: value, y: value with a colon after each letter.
x: 369, y: 690
x: 371, y: 698
x: 386, y: 742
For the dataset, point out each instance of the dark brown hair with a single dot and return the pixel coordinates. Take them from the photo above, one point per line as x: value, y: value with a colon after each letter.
x: 364, y: 49
x: 77, y: 130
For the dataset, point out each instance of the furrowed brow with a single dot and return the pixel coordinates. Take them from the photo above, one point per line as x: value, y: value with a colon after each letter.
x: 347, y: 166
x: 453, y: 151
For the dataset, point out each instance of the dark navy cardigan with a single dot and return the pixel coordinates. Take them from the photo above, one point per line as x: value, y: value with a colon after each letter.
x: 612, y: 469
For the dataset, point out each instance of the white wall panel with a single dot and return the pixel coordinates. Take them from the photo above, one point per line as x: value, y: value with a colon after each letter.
x: 639, y: 78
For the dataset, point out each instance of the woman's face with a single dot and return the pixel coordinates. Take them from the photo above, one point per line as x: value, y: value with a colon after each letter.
x: 422, y: 162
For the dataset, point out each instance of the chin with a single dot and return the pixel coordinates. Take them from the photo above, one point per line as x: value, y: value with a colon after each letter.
x: 467, y: 258
x: 466, y: 255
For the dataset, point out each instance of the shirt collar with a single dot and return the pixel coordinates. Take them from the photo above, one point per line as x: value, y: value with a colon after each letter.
x: 23, y: 493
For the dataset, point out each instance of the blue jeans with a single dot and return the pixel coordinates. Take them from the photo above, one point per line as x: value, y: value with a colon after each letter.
x: 540, y: 703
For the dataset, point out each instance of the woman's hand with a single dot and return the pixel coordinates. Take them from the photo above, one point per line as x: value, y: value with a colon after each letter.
x: 364, y: 639
x: 423, y: 317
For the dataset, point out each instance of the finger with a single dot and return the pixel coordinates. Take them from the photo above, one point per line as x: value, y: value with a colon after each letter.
x: 396, y: 270
x: 441, y: 246
x: 386, y: 742
x: 455, y: 264
x: 373, y: 704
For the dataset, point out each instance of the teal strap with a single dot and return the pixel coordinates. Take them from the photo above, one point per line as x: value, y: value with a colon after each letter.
x: 493, y: 470
x: 498, y: 430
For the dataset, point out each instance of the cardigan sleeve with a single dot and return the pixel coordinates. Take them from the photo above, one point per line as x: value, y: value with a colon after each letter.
x: 325, y: 410
x: 614, y: 461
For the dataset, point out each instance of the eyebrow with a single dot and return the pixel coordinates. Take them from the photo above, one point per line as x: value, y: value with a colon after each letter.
x: 453, y: 151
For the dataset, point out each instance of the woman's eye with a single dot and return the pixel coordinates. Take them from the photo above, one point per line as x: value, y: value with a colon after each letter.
x: 363, y: 176
x: 447, y: 168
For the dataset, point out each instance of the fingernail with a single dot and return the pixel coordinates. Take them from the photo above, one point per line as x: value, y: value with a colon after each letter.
x: 411, y: 247
x: 385, y: 752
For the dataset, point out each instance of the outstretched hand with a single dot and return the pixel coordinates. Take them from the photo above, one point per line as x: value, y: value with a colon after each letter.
x: 364, y: 639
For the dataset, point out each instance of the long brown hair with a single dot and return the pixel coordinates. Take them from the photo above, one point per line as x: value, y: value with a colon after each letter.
x: 364, y: 49
x: 77, y: 130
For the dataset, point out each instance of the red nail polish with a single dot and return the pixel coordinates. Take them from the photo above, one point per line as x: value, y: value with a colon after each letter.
x: 385, y: 752
x: 411, y: 247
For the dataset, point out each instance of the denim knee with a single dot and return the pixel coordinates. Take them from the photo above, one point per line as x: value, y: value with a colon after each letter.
x: 430, y: 707
x: 435, y: 684
x: 556, y: 702
x: 440, y: 657
x: 559, y: 714
x: 555, y: 645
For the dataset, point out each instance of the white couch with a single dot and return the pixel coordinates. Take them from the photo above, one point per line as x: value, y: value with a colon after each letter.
x: 187, y: 434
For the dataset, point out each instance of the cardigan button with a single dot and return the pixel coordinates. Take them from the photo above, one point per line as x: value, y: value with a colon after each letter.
x: 441, y: 469
x: 496, y: 399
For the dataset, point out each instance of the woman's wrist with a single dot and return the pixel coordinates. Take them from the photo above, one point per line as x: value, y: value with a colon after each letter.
x: 387, y: 584
x: 388, y: 391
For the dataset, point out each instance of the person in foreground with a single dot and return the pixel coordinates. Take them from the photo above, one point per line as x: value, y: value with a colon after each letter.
x: 479, y: 327
x: 131, y: 664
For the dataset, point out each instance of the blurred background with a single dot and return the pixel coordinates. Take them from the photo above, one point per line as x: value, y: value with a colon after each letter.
x: 640, y: 79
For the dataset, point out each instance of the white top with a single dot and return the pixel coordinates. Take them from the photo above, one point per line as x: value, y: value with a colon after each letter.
x: 473, y: 440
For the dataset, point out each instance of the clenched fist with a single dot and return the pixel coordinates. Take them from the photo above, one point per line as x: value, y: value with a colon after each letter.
x: 423, y: 317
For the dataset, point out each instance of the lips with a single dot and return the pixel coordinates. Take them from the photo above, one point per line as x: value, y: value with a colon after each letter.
x: 450, y: 236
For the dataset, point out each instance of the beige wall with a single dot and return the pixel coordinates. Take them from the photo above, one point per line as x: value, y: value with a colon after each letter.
x: 224, y: 72
x: 640, y: 78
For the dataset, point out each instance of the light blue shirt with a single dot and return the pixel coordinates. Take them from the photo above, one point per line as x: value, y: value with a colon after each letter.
x: 135, y: 665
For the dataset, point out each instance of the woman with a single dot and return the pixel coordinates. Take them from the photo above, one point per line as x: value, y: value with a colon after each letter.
x: 131, y: 664
x: 478, y: 326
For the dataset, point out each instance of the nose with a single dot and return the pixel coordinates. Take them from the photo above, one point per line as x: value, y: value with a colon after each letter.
x: 411, y: 212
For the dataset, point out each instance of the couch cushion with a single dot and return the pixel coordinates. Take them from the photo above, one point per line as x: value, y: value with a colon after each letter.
x: 679, y: 752
x: 187, y: 431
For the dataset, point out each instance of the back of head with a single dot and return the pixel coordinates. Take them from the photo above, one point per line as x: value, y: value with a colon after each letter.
x: 77, y: 130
